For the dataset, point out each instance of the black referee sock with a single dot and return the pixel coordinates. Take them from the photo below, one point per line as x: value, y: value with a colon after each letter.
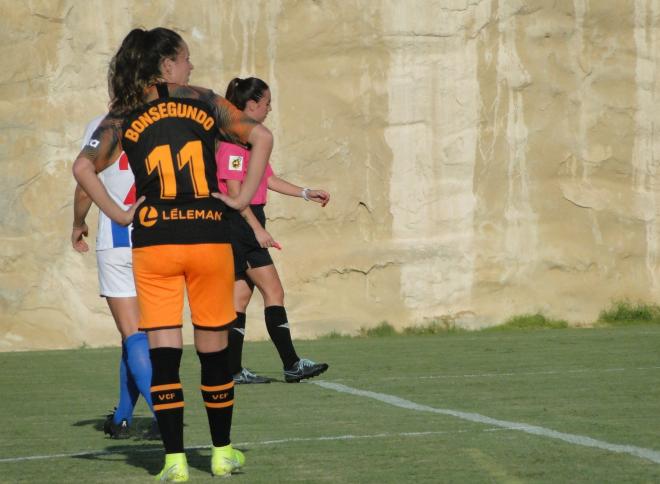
x: 167, y: 396
x: 218, y: 394
x: 277, y: 325
x: 236, y: 337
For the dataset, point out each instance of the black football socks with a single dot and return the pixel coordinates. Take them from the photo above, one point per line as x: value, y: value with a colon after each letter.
x: 218, y: 394
x: 236, y: 337
x: 167, y: 396
x: 277, y: 325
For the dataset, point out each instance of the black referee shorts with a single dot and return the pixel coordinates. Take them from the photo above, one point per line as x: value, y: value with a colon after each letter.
x: 247, y: 252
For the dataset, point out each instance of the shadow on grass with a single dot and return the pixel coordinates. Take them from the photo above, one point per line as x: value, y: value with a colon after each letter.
x: 150, y: 457
x: 149, y: 454
x: 139, y: 430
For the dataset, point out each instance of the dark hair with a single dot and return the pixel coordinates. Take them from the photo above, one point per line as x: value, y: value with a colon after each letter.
x: 240, y: 91
x: 136, y: 65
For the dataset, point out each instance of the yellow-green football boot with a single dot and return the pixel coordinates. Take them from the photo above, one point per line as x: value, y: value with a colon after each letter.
x: 225, y: 460
x: 175, y: 469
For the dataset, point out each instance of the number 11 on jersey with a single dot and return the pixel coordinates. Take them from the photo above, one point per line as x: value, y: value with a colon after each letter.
x: 191, y: 154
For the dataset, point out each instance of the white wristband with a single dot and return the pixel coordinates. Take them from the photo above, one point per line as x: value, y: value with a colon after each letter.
x: 304, y: 193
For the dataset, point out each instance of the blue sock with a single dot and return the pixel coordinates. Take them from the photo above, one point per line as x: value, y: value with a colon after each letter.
x: 128, y: 392
x: 139, y: 364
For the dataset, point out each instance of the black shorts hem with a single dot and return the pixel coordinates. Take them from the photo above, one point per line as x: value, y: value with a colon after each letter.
x: 224, y: 327
x: 262, y: 263
x: 146, y: 330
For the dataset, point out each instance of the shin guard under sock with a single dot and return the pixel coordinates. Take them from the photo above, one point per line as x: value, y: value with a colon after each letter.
x: 218, y: 394
x: 236, y: 337
x: 277, y: 325
x: 167, y: 396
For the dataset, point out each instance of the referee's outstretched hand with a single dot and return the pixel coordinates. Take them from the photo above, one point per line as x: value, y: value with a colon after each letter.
x: 319, y: 196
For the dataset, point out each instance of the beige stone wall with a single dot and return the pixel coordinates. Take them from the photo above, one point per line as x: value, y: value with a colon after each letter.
x: 485, y: 158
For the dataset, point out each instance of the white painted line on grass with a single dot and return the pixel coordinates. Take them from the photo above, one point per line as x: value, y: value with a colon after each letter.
x: 503, y: 374
x: 158, y: 448
x: 532, y: 373
x: 648, y: 454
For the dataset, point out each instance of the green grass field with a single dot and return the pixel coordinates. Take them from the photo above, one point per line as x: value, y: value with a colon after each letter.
x: 426, y: 419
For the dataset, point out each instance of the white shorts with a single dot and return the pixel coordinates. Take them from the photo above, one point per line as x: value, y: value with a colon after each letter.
x: 115, y: 267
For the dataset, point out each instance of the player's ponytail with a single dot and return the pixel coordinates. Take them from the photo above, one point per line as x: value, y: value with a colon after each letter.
x: 240, y: 91
x: 136, y: 65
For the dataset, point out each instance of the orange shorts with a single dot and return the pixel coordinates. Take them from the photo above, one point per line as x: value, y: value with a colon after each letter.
x: 205, y: 270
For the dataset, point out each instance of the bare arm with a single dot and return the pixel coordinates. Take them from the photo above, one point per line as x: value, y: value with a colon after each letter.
x: 81, y: 205
x: 85, y: 175
x: 279, y: 185
x: 261, y: 140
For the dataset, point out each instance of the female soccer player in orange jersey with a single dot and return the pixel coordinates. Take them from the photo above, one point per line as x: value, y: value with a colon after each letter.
x: 168, y: 130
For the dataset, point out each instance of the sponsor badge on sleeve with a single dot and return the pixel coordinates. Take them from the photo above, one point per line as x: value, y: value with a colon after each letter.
x: 235, y: 163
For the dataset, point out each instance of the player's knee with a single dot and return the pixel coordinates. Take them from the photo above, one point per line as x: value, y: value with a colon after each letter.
x: 241, y: 302
x: 279, y: 294
x: 274, y: 296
